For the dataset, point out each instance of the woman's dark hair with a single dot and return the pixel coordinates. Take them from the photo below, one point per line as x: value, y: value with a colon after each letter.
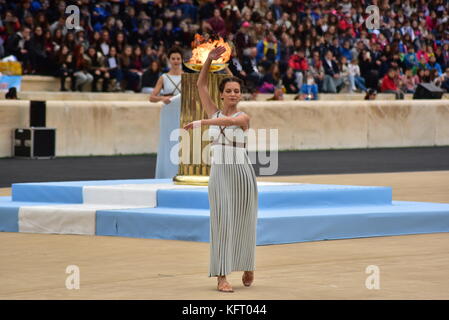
x: 174, y: 50
x: 223, y: 82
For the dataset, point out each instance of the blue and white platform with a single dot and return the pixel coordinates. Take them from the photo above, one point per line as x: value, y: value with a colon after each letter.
x: 158, y: 209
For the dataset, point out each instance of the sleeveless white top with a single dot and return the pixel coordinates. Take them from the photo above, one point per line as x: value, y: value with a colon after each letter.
x: 172, y: 84
x: 224, y: 152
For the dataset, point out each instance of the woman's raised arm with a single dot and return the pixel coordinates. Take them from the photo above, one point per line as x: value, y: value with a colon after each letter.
x: 206, y: 101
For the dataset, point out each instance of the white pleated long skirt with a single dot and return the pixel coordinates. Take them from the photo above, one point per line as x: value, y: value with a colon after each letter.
x: 233, y: 199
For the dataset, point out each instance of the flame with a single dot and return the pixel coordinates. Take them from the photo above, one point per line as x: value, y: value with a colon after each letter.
x: 202, y: 47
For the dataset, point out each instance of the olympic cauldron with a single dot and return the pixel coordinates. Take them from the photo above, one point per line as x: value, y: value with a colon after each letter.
x: 194, y: 168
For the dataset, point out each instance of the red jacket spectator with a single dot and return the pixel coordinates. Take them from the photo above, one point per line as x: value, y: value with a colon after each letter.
x: 388, y: 84
x: 298, y: 63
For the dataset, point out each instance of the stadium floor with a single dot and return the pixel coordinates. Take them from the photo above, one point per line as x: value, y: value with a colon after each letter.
x: 410, y: 267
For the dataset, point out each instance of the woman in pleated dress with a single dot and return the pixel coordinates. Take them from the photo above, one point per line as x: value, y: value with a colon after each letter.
x: 170, y: 84
x: 233, y: 196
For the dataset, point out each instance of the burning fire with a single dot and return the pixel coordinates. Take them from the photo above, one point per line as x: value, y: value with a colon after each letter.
x: 201, y: 48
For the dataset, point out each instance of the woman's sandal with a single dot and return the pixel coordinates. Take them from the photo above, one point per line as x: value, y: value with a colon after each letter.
x: 225, y: 288
x: 248, y: 280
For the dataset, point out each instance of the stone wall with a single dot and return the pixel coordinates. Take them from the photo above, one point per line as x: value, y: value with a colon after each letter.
x: 132, y: 127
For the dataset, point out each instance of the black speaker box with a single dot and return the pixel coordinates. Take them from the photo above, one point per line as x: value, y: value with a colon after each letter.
x: 37, y: 113
x: 34, y: 143
x: 427, y: 91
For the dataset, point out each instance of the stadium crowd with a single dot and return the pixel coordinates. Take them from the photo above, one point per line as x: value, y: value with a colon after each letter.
x: 300, y: 47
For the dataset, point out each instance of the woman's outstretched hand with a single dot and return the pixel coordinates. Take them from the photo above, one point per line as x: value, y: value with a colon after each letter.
x: 216, y: 53
x: 192, y: 125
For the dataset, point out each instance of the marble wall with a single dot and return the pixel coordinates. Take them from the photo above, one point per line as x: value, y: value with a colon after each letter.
x: 132, y: 127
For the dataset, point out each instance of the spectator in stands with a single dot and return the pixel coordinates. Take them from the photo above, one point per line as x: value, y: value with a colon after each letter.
x: 345, y: 51
x: 243, y: 39
x: 149, y: 55
x: 28, y: 21
x: 11, y: 24
x: 38, y: 54
x: 18, y: 45
x: 268, y: 51
x: 130, y: 74
x: 411, y: 31
x: 440, y: 58
x: 137, y: 59
x: 57, y: 39
x: 150, y: 77
x: 443, y: 81
x: 335, y: 48
x: 70, y: 41
x: 249, y: 65
x: 120, y: 42
x: 309, y: 90
x: 434, y: 76
x: 423, y: 54
x: 317, y: 70
x: 104, y: 43
x: 289, y: 82
x: 98, y: 69
x: 333, y: 81
x: 369, y: 69
x: 66, y: 67
x: 235, y: 66
x: 113, y: 68
x: 206, y: 9
x: 408, y: 81
x: 276, y: 10
x: 217, y: 23
x: 344, y: 71
x: 95, y: 40
x: 410, y: 59
x: 271, y: 79
x: 59, y: 24
x: 80, y: 39
x: 300, y: 66
x: 390, y: 84
x: 424, y: 75
x: 434, y: 65
x: 445, y: 52
x: 51, y: 62
x: 82, y: 67
x: 356, y: 81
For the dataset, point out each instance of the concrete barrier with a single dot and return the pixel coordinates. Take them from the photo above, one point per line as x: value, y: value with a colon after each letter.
x: 48, y: 89
x: 132, y: 127
x: 110, y: 96
x: 13, y: 114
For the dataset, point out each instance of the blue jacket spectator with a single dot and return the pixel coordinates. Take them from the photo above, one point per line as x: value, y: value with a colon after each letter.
x: 309, y: 90
x: 433, y: 64
x: 268, y: 51
x: 345, y: 51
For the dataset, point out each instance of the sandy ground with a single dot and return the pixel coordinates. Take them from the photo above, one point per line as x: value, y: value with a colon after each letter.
x: 33, y: 266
